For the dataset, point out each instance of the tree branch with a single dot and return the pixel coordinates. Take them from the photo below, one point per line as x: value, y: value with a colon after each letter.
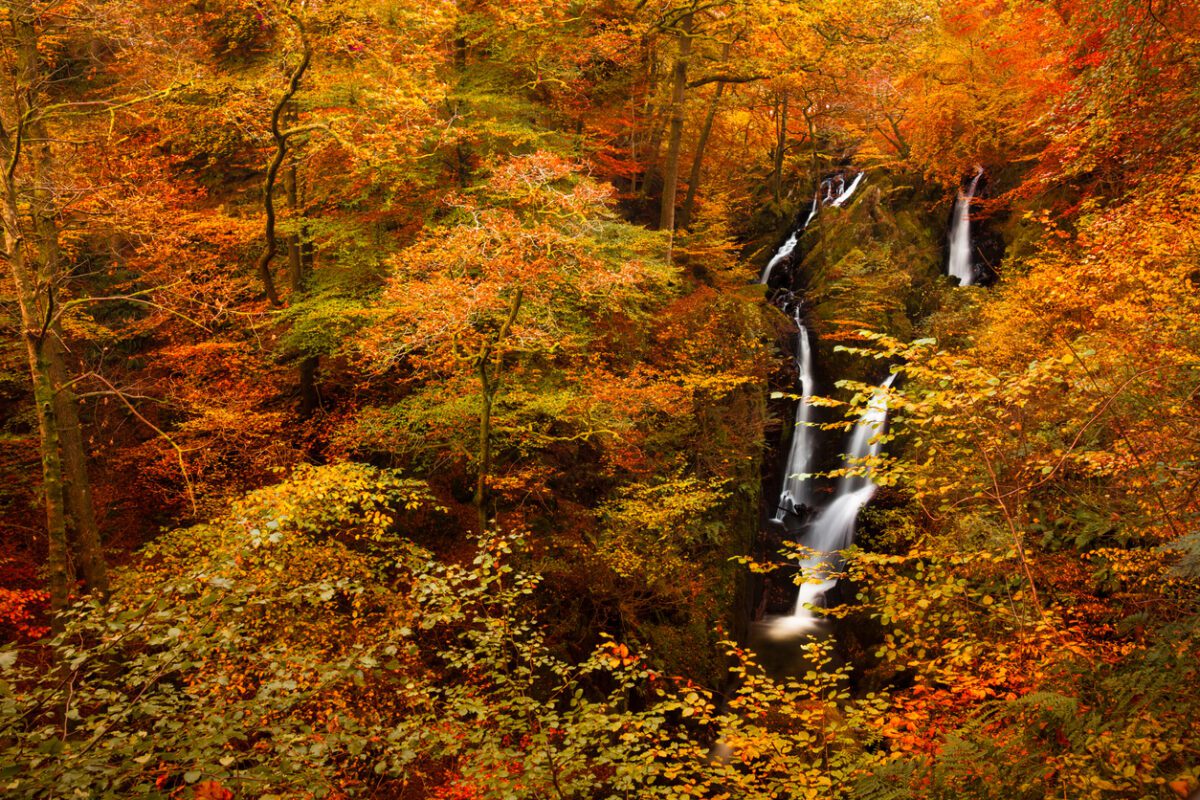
x: 725, y: 79
x: 281, y: 147
x: 191, y: 493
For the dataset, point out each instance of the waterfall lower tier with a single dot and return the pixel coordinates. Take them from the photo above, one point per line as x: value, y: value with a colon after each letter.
x: 797, y: 489
x: 833, y: 529
x: 831, y: 532
x: 961, y: 262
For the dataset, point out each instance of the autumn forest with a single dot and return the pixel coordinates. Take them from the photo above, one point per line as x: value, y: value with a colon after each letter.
x: 467, y: 400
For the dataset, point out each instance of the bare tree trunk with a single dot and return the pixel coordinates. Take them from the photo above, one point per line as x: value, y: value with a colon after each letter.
x: 59, y: 573
x: 654, y: 130
x: 658, y: 127
x: 806, y: 112
x: 666, y: 218
x: 280, y: 137
x: 35, y: 268
x: 78, y: 494
x: 488, y: 396
x: 295, y: 263
x: 489, y: 384
x: 36, y: 311
x: 689, y: 202
x: 781, y: 120
x: 299, y: 253
x: 299, y: 264
x: 896, y: 138
x: 82, y: 530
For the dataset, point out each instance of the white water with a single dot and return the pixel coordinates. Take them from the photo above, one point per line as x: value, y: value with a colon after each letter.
x: 843, y: 194
x: 812, y: 213
x: 789, y: 246
x: 828, y: 184
x: 960, y: 234
x: 797, y: 490
x: 781, y: 254
x: 841, y: 199
x: 833, y: 530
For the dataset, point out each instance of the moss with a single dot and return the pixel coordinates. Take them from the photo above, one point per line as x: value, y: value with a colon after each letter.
x: 873, y: 265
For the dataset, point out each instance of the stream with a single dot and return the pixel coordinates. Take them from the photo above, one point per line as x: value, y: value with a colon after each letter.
x: 826, y: 528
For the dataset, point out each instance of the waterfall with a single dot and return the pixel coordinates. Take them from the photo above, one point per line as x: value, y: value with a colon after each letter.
x: 841, y: 199
x: 874, y: 417
x: 812, y: 212
x: 789, y: 246
x: 833, y: 529
x: 837, y: 200
x: 796, y: 489
x: 781, y: 254
x: 960, y: 234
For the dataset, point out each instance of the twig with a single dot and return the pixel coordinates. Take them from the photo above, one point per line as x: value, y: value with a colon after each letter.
x: 178, y: 450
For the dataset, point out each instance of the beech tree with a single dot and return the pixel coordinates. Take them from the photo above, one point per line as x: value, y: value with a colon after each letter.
x: 34, y: 192
x: 517, y: 278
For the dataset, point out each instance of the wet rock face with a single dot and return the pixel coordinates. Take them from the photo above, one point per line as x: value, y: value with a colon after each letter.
x: 872, y: 264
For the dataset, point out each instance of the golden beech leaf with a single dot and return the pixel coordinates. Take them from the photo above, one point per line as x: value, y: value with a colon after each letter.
x: 211, y: 790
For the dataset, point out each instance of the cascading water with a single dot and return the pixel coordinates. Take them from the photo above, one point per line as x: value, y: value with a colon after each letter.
x: 847, y: 192
x: 960, y: 234
x: 797, y: 490
x: 829, y: 197
x: 833, y: 530
x: 781, y: 254
x: 812, y: 212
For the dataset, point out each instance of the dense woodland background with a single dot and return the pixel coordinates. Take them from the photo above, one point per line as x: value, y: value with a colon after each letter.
x: 388, y: 407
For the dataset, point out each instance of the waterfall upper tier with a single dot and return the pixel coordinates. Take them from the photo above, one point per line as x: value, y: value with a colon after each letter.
x: 834, y: 191
x: 961, y: 259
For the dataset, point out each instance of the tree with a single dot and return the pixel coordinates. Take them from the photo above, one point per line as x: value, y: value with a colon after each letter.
x: 515, y: 279
x: 32, y: 199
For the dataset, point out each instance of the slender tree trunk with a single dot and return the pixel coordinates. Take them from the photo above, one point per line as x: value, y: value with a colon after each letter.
x: 35, y: 268
x: 489, y: 384
x: 781, y: 120
x: 310, y: 397
x: 36, y: 310
x: 654, y: 129
x: 83, y: 532
x: 308, y: 251
x: 666, y: 218
x: 299, y: 255
x: 59, y: 573
x: 280, y: 136
x: 903, y: 149
x: 459, y: 44
x: 295, y: 262
x: 58, y: 569
x: 689, y: 202
x: 299, y: 263
x: 658, y: 127
x: 488, y: 391
x: 78, y: 494
x: 806, y: 112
